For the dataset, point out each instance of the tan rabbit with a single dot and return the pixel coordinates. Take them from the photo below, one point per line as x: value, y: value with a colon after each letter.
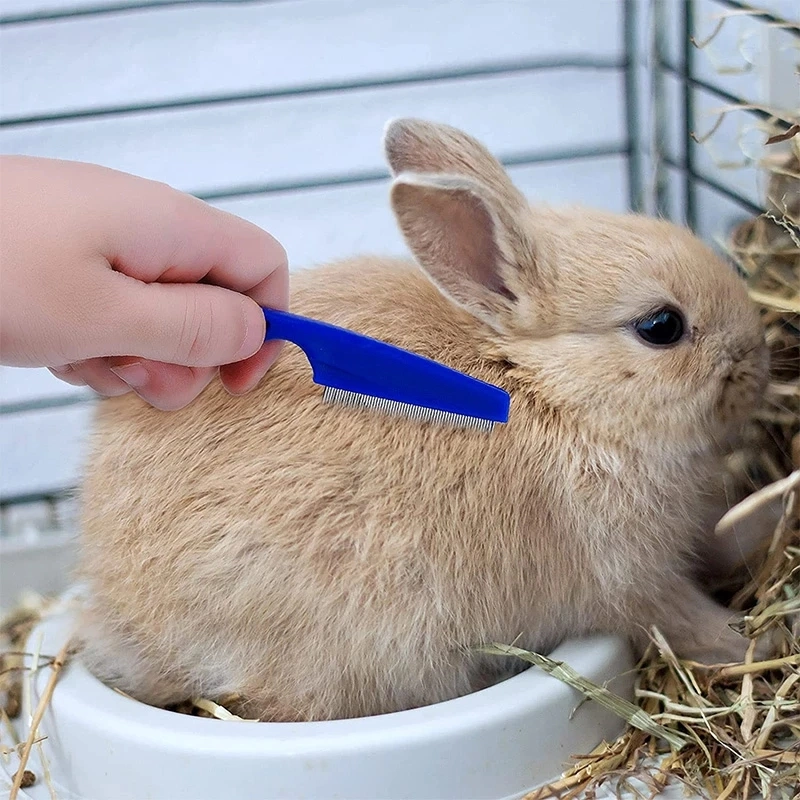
x: 327, y: 562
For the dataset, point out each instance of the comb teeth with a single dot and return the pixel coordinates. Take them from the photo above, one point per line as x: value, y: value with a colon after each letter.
x: 343, y: 397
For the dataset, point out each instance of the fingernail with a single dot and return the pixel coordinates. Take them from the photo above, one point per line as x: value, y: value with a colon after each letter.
x: 134, y: 374
x: 254, y: 329
x: 65, y: 369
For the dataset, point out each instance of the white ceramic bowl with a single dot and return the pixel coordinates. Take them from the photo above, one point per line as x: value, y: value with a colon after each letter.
x: 495, y: 744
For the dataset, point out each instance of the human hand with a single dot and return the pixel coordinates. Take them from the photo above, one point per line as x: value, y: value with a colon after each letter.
x: 121, y: 283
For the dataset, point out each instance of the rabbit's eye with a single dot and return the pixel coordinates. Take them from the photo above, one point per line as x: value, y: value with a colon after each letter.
x: 661, y: 328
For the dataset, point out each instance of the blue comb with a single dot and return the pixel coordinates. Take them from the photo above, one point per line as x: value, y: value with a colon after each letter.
x: 358, y: 371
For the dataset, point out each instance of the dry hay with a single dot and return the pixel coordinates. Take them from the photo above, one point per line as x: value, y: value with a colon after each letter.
x: 18, y: 669
x: 726, y: 732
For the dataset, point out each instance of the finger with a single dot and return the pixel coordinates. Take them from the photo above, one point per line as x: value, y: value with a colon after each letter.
x: 67, y: 374
x: 270, y: 291
x: 167, y: 387
x: 151, y: 231
x: 191, y: 325
x: 95, y: 374
x: 165, y: 235
x: 244, y: 376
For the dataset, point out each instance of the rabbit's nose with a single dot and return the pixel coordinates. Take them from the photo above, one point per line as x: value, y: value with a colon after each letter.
x: 752, y: 350
x: 747, y: 372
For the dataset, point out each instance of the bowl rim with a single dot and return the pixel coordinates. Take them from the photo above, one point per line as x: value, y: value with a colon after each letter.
x: 80, y: 693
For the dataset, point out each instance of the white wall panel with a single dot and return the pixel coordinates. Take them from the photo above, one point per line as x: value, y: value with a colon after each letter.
x: 717, y: 216
x: 314, y: 138
x: 42, y: 450
x: 23, y: 385
x: 328, y: 223
x: 30, y: 9
x: 163, y: 55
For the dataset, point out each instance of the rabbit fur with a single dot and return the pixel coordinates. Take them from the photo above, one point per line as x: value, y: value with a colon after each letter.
x: 324, y: 562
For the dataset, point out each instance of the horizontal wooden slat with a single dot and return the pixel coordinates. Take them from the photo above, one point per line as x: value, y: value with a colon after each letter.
x: 27, y: 521
x: 333, y: 222
x: 44, y: 566
x: 316, y: 138
x: 182, y: 53
x: 31, y: 10
x: 21, y: 386
x: 41, y: 449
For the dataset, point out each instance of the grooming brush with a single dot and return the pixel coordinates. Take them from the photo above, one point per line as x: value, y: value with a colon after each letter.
x: 358, y: 371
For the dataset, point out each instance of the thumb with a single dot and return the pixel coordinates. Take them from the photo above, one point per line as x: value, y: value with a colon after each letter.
x: 195, y: 325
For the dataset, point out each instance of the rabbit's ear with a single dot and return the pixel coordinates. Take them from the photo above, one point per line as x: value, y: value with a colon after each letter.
x: 414, y: 145
x: 471, y: 243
